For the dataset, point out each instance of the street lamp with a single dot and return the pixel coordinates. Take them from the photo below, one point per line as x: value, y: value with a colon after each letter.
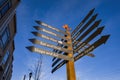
x: 30, y: 75
x: 24, y: 77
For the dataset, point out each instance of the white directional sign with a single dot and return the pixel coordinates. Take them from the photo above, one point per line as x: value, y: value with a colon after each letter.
x: 41, y: 51
x: 49, y: 32
x: 49, y: 38
x: 51, y: 27
x: 35, y: 41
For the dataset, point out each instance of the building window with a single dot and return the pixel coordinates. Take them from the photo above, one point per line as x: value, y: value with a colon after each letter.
x: 4, y: 38
x: 1, y: 45
x: 5, y: 8
x: 6, y: 70
x: 2, y: 2
x: 5, y: 58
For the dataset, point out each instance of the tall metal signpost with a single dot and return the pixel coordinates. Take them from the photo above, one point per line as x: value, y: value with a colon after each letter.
x: 71, y: 46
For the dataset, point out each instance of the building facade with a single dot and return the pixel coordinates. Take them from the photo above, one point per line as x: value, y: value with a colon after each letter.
x: 7, y: 34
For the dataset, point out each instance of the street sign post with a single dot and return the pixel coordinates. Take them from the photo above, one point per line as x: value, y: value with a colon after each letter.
x: 70, y: 64
x: 77, y: 43
x: 73, y: 46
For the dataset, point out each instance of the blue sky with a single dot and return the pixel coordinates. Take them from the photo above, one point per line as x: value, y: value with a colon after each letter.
x: 105, y: 66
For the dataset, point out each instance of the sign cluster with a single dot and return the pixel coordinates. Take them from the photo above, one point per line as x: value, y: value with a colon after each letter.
x: 41, y: 43
x: 84, y: 40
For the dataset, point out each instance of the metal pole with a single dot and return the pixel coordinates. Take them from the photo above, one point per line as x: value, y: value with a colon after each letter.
x: 30, y: 75
x: 70, y: 64
x: 24, y: 77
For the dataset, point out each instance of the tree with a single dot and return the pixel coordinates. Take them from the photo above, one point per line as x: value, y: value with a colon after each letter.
x: 37, y: 69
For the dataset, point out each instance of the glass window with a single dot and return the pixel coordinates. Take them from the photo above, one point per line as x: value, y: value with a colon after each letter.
x: 1, y: 45
x: 2, y: 2
x: 0, y: 15
x: 4, y: 38
x: 6, y: 70
x: 5, y: 8
x: 6, y: 57
x: 4, y: 60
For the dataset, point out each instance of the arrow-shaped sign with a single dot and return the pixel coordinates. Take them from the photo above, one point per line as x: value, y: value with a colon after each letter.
x: 81, y: 37
x: 98, y: 31
x: 41, y: 51
x: 92, y: 36
x: 84, y: 27
x: 96, y: 44
x: 49, y: 32
x: 35, y: 41
x: 59, y: 65
x: 102, y: 40
x: 48, y: 38
x: 51, y: 27
x: 62, y: 40
x: 87, y: 32
x: 56, y: 61
x: 60, y: 46
x: 83, y: 21
x: 58, y: 53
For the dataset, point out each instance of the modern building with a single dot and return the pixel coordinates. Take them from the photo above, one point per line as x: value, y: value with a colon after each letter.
x: 7, y: 34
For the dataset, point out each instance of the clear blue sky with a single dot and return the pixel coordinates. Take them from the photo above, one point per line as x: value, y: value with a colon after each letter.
x: 105, y: 66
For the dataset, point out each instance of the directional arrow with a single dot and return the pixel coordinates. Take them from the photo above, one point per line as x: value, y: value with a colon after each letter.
x: 59, y: 65
x: 63, y: 62
x: 60, y: 46
x: 56, y: 61
x: 84, y: 27
x: 57, y: 51
x: 35, y: 41
x: 54, y: 50
x: 92, y: 36
x: 91, y: 55
x: 98, y: 31
x: 49, y: 32
x: 83, y: 21
x: 60, y: 51
x: 49, y: 38
x: 96, y: 44
x: 41, y: 51
x: 51, y: 27
x: 87, y: 32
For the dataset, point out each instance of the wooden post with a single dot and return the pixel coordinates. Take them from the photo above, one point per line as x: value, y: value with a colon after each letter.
x: 70, y: 64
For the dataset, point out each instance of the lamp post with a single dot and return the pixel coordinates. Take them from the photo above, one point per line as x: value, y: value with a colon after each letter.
x: 30, y: 75
x: 24, y: 77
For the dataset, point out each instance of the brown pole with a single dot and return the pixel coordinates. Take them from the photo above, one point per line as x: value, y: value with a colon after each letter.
x: 70, y: 64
